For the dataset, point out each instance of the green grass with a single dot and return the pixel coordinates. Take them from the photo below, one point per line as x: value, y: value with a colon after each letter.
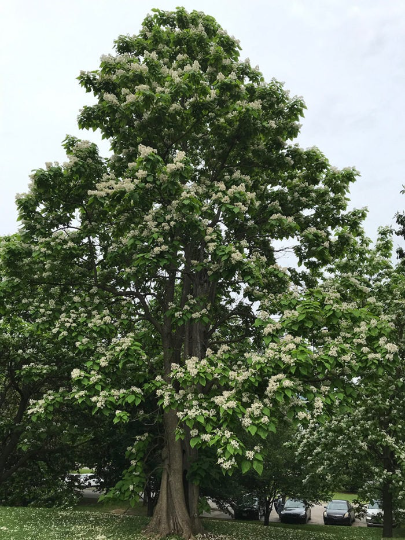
x: 345, y: 495
x: 51, y: 524
x: 115, y: 507
x: 277, y: 531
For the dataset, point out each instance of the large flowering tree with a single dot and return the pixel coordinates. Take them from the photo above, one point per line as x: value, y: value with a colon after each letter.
x: 167, y: 247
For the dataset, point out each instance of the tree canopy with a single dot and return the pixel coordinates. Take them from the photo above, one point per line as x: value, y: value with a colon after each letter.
x: 166, y: 249
x: 364, y: 434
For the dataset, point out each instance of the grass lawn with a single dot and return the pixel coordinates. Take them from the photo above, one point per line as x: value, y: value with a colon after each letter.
x: 344, y: 495
x: 108, y: 507
x: 51, y: 524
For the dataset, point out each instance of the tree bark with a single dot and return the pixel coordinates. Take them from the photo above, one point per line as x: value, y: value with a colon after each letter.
x: 268, y: 506
x: 387, y: 499
x: 388, y: 519
x: 192, y: 491
x: 176, y: 511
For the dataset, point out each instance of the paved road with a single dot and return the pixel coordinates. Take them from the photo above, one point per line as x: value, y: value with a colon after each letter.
x: 91, y: 493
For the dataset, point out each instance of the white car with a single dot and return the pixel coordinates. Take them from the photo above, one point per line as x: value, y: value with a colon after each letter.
x: 375, y: 514
x: 84, y: 480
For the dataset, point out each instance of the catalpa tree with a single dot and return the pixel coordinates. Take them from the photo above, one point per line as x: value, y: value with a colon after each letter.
x: 33, y: 363
x: 169, y: 244
x: 364, y: 436
x: 30, y: 366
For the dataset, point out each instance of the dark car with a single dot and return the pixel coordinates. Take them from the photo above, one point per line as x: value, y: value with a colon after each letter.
x: 338, y: 512
x: 295, y: 511
x: 247, y: 508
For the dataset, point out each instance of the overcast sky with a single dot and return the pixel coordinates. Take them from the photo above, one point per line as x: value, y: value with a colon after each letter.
x: 345, y: 57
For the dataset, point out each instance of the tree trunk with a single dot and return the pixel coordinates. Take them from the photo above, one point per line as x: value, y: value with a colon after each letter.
x: 191, y: 491
x: 176, y: 510
x: 268, y: 505
x: 388, y: 520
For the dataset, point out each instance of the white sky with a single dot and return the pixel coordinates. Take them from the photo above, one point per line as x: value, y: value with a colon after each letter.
x: 345, y: 57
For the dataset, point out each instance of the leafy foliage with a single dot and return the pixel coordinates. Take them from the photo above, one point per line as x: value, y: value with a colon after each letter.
x: 364, y: 436
x: 163, y: 250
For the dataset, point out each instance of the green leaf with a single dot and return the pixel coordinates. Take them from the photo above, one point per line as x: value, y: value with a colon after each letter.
x: 252, y: 429
x: 272, y: 427
x: 194, y: 441
x: 258, y: 466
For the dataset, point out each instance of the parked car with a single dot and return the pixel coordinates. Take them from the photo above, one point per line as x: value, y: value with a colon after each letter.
x: 247, y: 508
x: 374, y: 515
x: 295, y: 511
x: 84, y: 480
x: 338, y: 512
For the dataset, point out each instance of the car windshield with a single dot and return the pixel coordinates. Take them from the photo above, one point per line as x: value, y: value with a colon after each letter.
x: 337, y: 505
x: 293, y: 503
x: 248, y: 500
x: 374, y: 506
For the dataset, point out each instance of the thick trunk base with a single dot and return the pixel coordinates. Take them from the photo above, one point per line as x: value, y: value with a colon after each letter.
x: 171, y: 517
x: 176, y: 511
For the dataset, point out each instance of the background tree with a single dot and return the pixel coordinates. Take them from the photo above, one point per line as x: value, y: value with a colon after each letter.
x: 283, y: 475
x: 32, y: 363
x: 173, y: 240
x: 36, y: 454
x: 364, y: 437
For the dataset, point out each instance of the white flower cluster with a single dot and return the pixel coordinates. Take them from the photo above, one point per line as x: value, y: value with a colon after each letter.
x: 225, y: 400
x: 77, y: 374
x: 192, y: 365
x: 100, y: 399
x: 274, y: 383
x: 144, y: 151
x: 111, y: 98
x: 226, y: 464
x: 38, y: 406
